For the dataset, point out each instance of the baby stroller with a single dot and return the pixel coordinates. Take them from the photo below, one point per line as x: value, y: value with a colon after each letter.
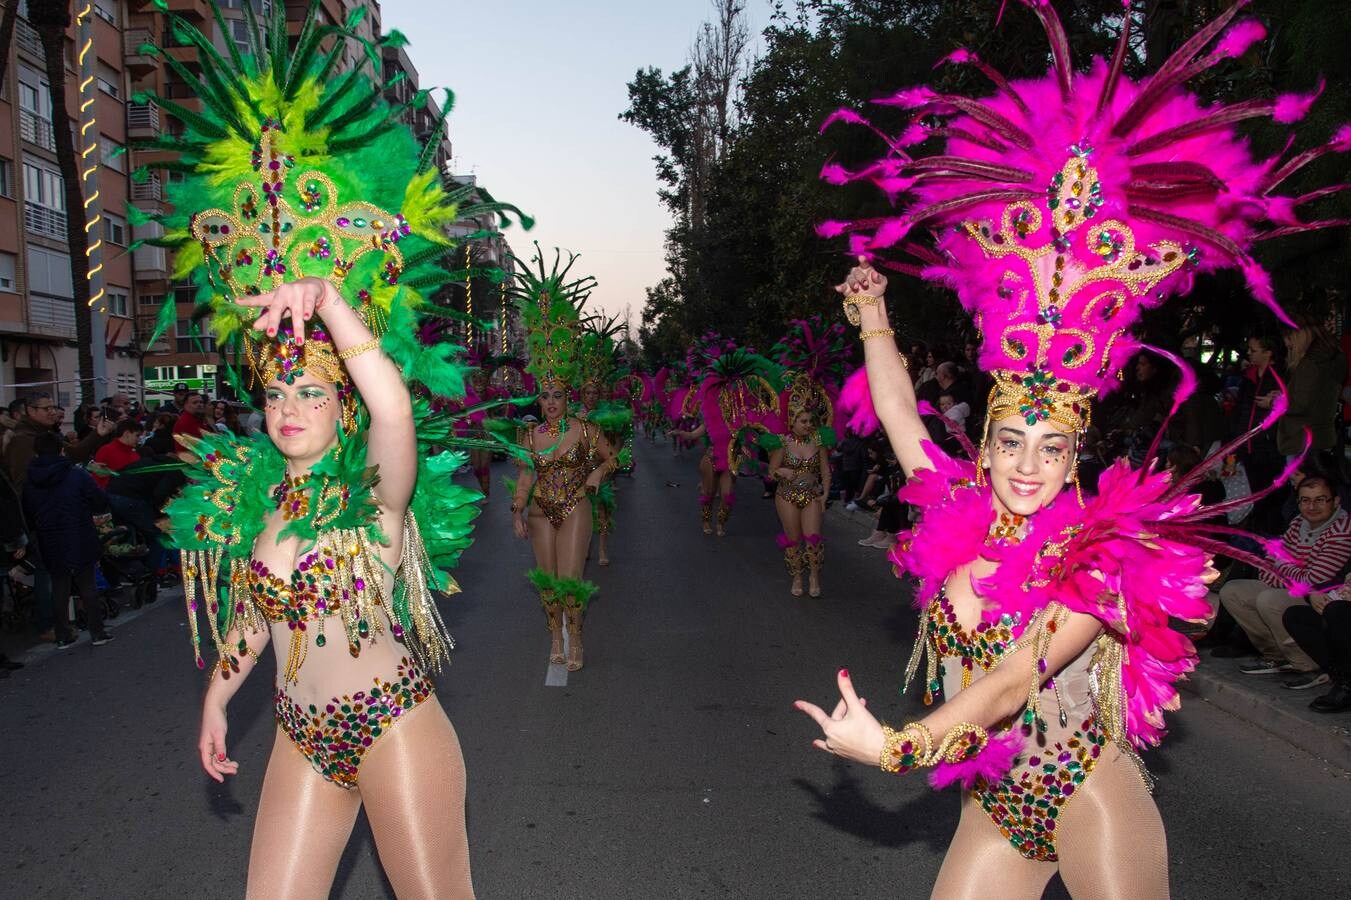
x: 122, y: 564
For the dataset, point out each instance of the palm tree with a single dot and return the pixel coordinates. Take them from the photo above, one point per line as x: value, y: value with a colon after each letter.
x: 51, y: 18
x: 7, y: 37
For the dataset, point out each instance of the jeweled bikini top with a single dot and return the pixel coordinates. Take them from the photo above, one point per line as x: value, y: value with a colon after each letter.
x: 328, y: 581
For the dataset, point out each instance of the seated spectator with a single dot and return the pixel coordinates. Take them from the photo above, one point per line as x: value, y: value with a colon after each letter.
x: 60, y: 501
x: 118, y: 453
x: 1319, y: 541
x: 1322, y: 628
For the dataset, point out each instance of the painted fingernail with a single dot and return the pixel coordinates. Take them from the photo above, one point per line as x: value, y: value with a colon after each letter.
x: 220, y: 756
x: 844, y: 673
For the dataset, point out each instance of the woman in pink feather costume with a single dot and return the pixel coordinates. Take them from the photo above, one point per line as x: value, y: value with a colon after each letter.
x: 1061, y: 208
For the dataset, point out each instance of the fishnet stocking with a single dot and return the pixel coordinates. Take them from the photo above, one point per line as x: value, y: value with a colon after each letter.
x: 1110, y: 842
x: 981, y: 863
x: 413, y: 784
x: 302, y: 828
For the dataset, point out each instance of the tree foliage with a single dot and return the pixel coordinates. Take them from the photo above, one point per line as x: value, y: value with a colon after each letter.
x: 751, y: 261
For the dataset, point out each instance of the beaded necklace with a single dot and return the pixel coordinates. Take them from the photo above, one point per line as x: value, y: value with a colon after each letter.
x: 292, y: 496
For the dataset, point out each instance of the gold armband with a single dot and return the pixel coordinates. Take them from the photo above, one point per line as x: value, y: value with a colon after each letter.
x: 880, y: 332
x: 853, y: 302
x: 359, y: 349
x: 909, y: 748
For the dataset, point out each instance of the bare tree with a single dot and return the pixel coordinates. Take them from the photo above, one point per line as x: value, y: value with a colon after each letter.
x: 718, y: 60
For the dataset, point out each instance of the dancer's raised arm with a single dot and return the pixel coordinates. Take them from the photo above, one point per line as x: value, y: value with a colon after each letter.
x: 893, y: 396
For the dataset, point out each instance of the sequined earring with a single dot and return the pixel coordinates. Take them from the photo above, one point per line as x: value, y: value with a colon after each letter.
x: 1074, y: 479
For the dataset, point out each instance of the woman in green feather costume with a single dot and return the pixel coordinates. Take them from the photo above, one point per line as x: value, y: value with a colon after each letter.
x: 314, y: 226
x: 567, y: 456
x: 615, y: 420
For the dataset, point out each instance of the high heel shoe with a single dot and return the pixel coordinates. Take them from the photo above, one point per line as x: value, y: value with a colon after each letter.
x: 574, y: 639
x: 554, y: 614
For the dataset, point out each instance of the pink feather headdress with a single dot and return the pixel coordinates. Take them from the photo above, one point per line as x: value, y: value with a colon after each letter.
x: 1066, y: 206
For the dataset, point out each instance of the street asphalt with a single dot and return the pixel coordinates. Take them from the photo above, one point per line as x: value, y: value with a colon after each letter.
x: 671, y: 766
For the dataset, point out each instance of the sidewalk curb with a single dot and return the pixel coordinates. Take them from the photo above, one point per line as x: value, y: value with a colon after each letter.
x: 1329, y: 741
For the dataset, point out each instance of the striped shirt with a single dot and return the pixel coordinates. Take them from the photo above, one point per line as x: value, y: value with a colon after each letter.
x: 1321, y: 553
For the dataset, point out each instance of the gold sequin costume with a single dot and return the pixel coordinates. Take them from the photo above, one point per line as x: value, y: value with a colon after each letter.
x: 804, y: 487
x: 560, y: 481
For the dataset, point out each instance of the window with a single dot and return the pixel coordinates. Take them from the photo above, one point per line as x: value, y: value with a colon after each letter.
x: 117, y: 302
x: 110, y: 80
x: 150, y: 302
x: 239, y: 31
x: 112, y: 154
x: 106, y: 10
x: 49, y: 273
x: 43, y: 186
x: 7, y: 276
x: 192, y: 339
x: 34, y: 93
x: 6, y: 178
x: 115, y: 229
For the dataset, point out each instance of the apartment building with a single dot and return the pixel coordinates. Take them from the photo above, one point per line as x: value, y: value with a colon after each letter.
x: 37, y: 318
x: 37, y: 307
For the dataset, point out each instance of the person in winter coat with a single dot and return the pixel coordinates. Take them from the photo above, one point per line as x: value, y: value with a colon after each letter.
x: 1317, y: 369
x: 60, y: 502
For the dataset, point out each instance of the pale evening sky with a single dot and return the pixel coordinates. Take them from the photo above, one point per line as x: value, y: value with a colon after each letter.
x: 539, y: 86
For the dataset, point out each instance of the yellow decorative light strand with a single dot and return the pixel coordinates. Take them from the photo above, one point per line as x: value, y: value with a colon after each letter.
x: 89, y: 175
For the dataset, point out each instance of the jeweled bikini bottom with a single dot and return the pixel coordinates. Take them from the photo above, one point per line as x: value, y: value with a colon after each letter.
x: 335, y: 737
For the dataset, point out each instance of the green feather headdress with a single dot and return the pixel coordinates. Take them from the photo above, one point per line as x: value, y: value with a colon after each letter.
x: 294, y: 168
x: 550, y: 307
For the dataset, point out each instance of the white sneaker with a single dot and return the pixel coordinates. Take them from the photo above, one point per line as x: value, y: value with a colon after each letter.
x: 851, y: 506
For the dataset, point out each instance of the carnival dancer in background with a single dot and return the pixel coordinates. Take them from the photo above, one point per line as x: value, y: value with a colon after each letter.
x: 328, y: 537
x: 1077, y: 202
x: 814, y: 356
x: 600, y: 372
x: 735, y: 395
x: 568, y: 456
x: 479, y: 390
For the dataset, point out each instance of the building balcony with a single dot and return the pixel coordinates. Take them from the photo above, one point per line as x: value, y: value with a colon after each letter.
x: 44, y: 221
x: 138, y: 63
x: 51, y: 316
x: 27, y: 40
x: 142, y: 121
x: 149, y: 191
x: 36, y: 130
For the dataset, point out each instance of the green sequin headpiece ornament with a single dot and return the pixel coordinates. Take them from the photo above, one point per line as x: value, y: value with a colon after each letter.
x: 294, y: 168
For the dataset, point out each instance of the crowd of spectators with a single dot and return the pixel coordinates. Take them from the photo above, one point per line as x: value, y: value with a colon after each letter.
x: 1292, y: 615
x: 82, y: 498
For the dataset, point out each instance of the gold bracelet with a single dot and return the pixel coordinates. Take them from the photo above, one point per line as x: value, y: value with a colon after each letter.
x: 901, y: 750
x: 853, y: 302
x: 880, y: 332
x: 358, y: 349
x: 961, y: 742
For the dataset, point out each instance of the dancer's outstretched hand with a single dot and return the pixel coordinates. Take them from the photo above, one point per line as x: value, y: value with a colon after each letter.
x: 863, y: 279
x: 850, y: 730
x: 211, y: 744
